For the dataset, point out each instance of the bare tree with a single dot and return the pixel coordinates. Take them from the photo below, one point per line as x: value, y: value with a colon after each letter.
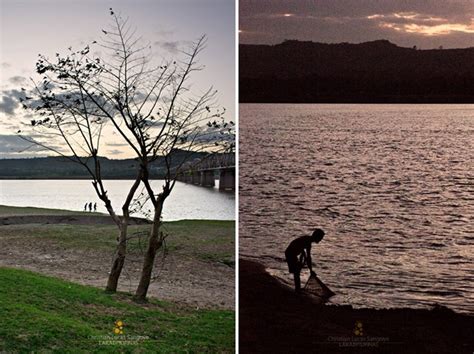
x: 150, y: 106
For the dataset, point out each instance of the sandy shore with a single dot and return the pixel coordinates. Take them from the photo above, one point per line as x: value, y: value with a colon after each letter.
x: 273, y: 319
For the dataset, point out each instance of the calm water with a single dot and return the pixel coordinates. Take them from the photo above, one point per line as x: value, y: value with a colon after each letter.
x: 392, y: 186
x: 185, y: 202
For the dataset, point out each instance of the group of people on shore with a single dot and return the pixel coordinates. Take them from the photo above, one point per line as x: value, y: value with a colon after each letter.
x: 89, y: 206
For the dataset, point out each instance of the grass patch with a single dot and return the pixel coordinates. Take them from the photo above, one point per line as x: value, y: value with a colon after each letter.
x: 207, y: 240
x: 224, y: 258
x: 40, y: 313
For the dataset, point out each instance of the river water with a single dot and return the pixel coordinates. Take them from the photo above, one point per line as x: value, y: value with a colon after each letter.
x: 392, y: 186
x: 185, y: 202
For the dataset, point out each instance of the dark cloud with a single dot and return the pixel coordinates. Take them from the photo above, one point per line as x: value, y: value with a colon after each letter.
x: 14, y: 146
x: 212, y: 135
x: 8, y: 105
x: 424, y: 22
x: 10, y: 101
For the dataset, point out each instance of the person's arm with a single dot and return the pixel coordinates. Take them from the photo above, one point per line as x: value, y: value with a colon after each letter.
x: 308, y: 258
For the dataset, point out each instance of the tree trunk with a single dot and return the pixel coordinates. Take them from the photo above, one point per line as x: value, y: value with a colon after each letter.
x: 120, y: 253
x: 154, y: 244
x: 119, y: 258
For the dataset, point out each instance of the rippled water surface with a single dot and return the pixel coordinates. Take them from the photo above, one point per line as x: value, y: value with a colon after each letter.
x: 392, y: 186
x: 185, y: 202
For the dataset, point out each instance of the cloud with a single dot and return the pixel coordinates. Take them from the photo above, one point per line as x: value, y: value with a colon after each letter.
x: 17, y: 80
x: 214, y: 135
x: 14, y: 146
x: 8, y: 105
x: 114, y: 152
x: 117, y: 144
x: 351, y: 8
x: 431, y: 30
x: 427, y: 23
x: 10, y: 101
x: 170, y: 46
x: 423, y: 24
x: 5, y: 65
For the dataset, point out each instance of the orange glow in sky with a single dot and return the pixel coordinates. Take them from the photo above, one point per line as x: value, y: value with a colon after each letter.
x: 422, y: 25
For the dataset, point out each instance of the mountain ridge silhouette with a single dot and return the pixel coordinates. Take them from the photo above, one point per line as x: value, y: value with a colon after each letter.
x: 369, y: 72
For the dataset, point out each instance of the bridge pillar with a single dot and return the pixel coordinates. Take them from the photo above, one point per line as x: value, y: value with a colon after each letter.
x: 188, y: 178
x: 227, y: 179
x: 196, y: 177
x: 207, y: 178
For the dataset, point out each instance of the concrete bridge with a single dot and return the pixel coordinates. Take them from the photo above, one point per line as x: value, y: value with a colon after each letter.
x: 204, y: 172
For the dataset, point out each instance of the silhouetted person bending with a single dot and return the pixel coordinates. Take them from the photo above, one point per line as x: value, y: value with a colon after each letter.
x: 298, y: 253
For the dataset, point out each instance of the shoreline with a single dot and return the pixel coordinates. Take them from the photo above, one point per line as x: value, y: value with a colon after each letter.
x: 275, y: 319
x: 44, y: 215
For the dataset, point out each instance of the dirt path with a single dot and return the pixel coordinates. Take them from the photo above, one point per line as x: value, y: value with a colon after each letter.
x: 181, y: 277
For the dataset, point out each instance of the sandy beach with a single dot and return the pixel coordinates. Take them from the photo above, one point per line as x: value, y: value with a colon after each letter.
x: 273, y: 319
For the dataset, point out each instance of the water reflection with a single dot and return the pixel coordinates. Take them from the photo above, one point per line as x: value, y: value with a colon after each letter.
x: 393, y: 186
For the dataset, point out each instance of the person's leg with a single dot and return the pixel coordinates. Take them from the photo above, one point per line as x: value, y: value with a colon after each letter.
x: 297, y: 281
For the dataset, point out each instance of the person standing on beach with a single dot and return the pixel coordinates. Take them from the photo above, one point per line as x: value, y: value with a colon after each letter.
x: 95, y: 207
x: 85, y: 207
x: 90, y: 207
x: 298, y: 253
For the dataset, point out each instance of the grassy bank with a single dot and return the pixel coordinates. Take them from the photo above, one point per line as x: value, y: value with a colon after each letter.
x: 39, y: 312
x: 49, y: 313
x: 208, y: 240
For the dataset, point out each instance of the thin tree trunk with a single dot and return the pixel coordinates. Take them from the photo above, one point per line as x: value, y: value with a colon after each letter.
x: 120, y: 253
x: 154, y: 244
x: 119, y: 258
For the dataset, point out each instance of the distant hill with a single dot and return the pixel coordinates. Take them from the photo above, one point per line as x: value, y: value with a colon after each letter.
x: 62, y: 168
x: 378, y: 71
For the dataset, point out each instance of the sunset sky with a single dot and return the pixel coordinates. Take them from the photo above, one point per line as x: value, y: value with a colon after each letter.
x: 30, y: 27
x: 424, y: 23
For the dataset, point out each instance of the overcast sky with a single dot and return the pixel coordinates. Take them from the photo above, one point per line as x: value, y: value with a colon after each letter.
x: 424, y: 23
x: 29, y: 27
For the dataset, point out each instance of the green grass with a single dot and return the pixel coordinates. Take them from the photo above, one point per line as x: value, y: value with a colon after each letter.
x: 45, y: 314
x: 204, y: 239
x: 208, y: 240
x: 221, y: 257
